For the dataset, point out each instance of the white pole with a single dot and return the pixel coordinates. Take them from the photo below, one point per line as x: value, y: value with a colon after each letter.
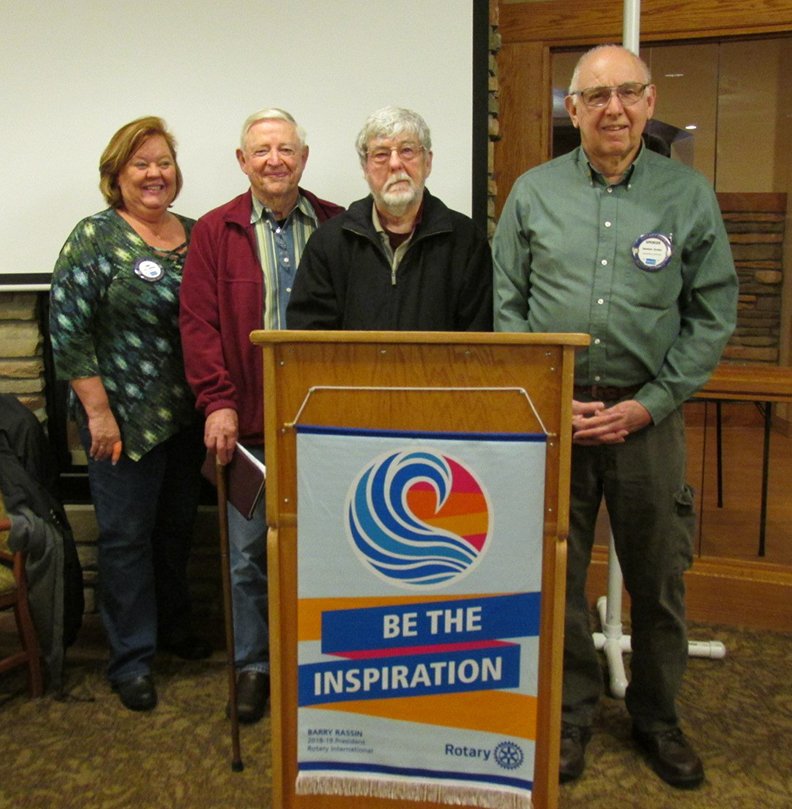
x: 611, y: 640
x: 631, y: 31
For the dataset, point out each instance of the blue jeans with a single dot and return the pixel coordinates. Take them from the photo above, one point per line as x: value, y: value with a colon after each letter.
x: 145, y: 511
x: 247, y: 541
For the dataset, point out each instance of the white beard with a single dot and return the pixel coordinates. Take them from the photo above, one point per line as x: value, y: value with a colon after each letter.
x: 396, y: 202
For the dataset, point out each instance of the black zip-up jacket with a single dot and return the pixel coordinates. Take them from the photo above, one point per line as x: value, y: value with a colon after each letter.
x: 443, y: 283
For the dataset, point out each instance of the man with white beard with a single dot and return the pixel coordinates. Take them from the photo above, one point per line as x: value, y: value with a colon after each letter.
x: 400, y: 259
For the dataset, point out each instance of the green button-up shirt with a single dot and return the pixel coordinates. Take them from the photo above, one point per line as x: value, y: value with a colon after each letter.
x: 564, y: 262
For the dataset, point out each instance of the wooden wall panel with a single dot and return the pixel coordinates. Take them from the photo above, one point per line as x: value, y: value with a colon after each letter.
x: 524, y: 117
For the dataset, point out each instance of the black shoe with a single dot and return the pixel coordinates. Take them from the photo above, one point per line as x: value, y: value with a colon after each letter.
x: 253, y: 690
x: 572, y: 760
x: 671, y: 757
x: 188, y: 648
x: 137, y: 694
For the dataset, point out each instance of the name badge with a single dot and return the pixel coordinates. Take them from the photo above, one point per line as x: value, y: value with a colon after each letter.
x: 149, y: 270
x: 652, y: 251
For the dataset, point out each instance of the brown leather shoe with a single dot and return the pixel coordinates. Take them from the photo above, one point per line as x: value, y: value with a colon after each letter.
x: 572, y: 760
x: 253, y: 691
x: 671, y: 757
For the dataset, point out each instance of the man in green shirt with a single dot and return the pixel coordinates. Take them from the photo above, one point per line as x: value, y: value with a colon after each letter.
x: 628, y: 246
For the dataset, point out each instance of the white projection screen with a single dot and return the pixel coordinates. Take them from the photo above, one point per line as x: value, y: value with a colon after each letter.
x: 72, y: 73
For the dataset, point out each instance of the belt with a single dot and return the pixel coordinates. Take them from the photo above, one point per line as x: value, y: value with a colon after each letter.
x: 606, y: 393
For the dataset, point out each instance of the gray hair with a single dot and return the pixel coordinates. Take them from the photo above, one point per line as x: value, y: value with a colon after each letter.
x: 595, y: 51
x: 268, y: 114
x: 389, y: 122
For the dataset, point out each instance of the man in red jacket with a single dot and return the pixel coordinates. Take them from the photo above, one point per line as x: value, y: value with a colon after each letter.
x: 238, y: 278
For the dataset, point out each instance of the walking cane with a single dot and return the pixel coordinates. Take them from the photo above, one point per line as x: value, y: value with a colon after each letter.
x: 228, y: 610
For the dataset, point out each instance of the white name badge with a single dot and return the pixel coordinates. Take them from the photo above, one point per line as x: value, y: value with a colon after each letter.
x: 652, y: 251
x: 149, y: 270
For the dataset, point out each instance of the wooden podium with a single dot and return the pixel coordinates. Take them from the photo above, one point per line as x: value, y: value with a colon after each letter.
x: 474, y: 382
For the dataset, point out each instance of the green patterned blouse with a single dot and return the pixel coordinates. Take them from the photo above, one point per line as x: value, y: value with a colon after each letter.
x: 114, y: 313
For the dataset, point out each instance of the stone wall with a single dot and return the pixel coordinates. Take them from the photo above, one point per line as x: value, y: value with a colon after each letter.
x: 755, y: 224
x: 21, y: 350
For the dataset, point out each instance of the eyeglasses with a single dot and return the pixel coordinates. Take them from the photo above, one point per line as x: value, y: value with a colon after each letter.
x: 406, y: 151
x: 629, y: 93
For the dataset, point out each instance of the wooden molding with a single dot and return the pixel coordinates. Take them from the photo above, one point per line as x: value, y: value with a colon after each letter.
x: 734, y: 592
x: 583, y: 22
x: 752, y: 202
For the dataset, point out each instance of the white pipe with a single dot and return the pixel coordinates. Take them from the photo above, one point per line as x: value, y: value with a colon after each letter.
x: 611, y: 640
x: 631, y: 28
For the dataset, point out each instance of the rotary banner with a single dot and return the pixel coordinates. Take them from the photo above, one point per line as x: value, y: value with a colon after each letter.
x: 419, y: 595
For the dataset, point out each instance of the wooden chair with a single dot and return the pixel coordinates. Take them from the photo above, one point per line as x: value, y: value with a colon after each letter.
x: 14, y: 594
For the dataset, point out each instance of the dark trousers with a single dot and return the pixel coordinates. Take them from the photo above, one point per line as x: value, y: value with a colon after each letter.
x: 642, y: 482
x: 146, y: 512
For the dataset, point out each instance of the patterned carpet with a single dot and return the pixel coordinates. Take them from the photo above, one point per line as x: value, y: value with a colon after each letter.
x: 91, y: 753
x: 737, y: 712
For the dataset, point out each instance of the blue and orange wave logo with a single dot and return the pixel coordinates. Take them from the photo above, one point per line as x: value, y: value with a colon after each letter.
x: 418, y: 518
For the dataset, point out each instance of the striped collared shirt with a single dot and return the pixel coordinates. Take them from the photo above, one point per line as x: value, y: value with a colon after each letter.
x: 280, y: 246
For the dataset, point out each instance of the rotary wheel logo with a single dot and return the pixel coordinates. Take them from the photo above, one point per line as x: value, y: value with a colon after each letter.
x: 418, y: 519
x: 509, y: 755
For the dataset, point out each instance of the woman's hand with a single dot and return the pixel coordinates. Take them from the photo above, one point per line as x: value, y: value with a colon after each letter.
x: 105, y: 434
x: 102, y: 424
